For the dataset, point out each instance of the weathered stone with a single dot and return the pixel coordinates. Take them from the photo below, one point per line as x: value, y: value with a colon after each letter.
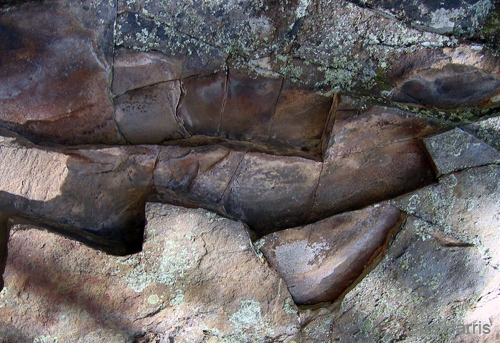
x: 139, y: 32
x: 358, y: 128
x: 96, y: 195
x: 213, y: 183
x: 467, y: 19
x: 301, y: 118
x: 371, y: 176
x: 456, y: 150
x: 249, y: 106
x: 451, y: 86
x: 487, y: 130
x: 56, y: 70
x: 135, y: 69
x: 202, y: 102
x: 197, y: 278
x: 464, y: 205
x: 319, y: 261
x: 271, y: 194
x: 148, y: 115
x: 422, y: 290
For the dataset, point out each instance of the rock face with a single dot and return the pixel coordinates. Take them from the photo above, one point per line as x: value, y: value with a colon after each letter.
x: 342, y: 134
x: 319, y: 261
x: 192, y: 262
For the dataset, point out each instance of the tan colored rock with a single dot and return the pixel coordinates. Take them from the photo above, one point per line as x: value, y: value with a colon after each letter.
x: 424, y: 290
x: 319, y: 261
x: 197, y: 278
x: 96, y: 195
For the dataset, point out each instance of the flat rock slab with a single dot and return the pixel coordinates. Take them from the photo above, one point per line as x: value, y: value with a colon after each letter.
x: 319, y: 261
x: 456, y: 150
x: 197, y: 279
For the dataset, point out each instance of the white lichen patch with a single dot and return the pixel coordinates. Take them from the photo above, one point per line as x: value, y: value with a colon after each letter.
x: 248, y: 316
x: 45, y: 339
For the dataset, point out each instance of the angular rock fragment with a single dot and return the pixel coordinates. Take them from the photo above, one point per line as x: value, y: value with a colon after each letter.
x: 197, y: 278
x: 149, y: 115
x: 456, y: 150
x: 320, y: 261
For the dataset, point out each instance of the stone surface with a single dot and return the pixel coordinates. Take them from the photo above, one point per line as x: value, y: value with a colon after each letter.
x: 148, y: 115
x: 302, y: 118
x: 249, y: 107
x: 197, y: 279
x: 274, y: 114
x: 201, y: 105
x: 319, y: 261
x: 487, y: 130
x: 360, y: 127
x: 468, y: 19
x: 271, y: 194
x: 364, y: 178
x: 96, y: 195
x: 423, y: 290
x: 456, y: 150
x: 56, y: 70
x: 136, y: 69
x: 451, y: 86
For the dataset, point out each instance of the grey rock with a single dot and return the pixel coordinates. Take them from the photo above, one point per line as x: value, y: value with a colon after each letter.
x: 456, y: 150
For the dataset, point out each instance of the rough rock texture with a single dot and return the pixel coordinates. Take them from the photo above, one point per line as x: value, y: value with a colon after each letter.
x: 440, y: 270
x: 319, y: 261
x: 189, y: 284
x: 55, y: 73
x: 456, y: 150
x: 272, y: 115
x: 96, y: 195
